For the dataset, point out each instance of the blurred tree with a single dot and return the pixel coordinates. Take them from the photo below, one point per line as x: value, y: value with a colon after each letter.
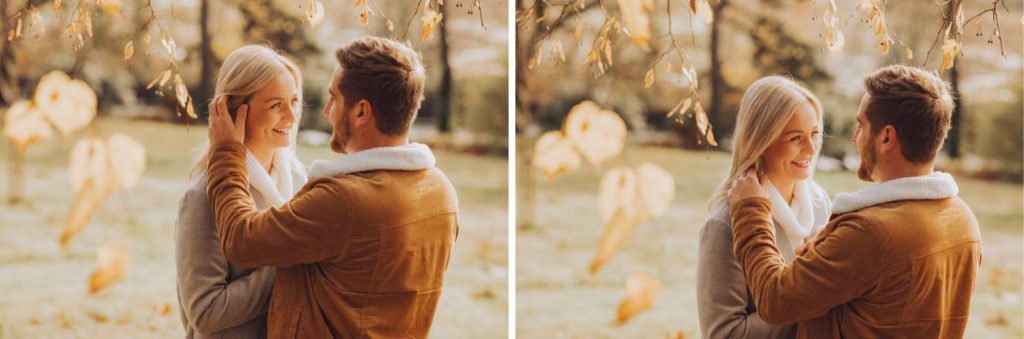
x: 207, y: 60
x: 445, y: 103
x: 953, y: 139
x: 716, y: 112
x: 266, y: 22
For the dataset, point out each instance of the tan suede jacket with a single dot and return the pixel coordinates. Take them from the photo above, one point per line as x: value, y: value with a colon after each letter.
x: 360, y: 255
x: 903, y: 269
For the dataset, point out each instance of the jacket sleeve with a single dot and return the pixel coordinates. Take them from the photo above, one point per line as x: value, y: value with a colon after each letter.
x: 209, y: 301
x: 845, y: 262
x: 306, y: 229
x: 722, y: 297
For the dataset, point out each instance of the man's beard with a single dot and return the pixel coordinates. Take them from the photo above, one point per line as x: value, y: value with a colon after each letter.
x: 340, y: 138
x: 867, y: 163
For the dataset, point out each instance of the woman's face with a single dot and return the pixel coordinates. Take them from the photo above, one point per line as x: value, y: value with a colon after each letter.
x: 272, y: 113
x: 788, y: 159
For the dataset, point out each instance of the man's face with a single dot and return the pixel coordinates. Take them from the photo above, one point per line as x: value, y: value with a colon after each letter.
x: 865, y: 143
x: 339, y: 114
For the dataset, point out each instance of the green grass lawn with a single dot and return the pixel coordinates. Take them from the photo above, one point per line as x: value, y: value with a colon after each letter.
x: 556, y: 297
x: 44, y: 290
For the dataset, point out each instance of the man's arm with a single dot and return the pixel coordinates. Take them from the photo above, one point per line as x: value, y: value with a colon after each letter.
x: 842, y: 265
x: 306, y: 229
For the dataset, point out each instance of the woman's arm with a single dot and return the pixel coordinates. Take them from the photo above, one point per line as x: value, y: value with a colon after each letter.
x: 722, y: 298
x: 210, y: 302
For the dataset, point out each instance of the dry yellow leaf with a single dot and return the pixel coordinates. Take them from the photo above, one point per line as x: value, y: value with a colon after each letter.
x: 112, y: 263
x: 950, y: 48
x: 637, y: 20
x: 68, y: 104
x: 598, y: 134
x: 642, y: 291
x: 127, y: 159
x: 834, y: 39
x: 885, y: 45
x: 315, y: 12
x: 24, y: 124
x: 389, y: 24
x: 169, y: 45
x: 430, y: 19
x: 618, y: 190
x: 358, y: 3
x: 649, y: 78
x: 180, y: 91
x: 908, y: 53
x: 680, y: 108
x: 618, y: 205
x: 704, y: 11
x: 88, y: 200
x: 656, y: 189
x: 88, y: 163
x: 364, y: 17
x: 554, y: 155
x: 704, y: 125
x: 112, y: 7
x: 129, y: 50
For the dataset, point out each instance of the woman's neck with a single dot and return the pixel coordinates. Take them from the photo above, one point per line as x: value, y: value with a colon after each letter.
x: 786, y: 189
x: 263, y: 155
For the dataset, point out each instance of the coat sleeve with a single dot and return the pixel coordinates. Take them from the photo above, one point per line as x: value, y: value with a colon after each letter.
x: 306, y: 229
x: 845, y: 262
x: 210, y: 302
x: 722, y: 295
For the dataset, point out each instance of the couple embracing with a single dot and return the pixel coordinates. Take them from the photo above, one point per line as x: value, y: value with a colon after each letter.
x: 356, y: 246
x: 898, y: 259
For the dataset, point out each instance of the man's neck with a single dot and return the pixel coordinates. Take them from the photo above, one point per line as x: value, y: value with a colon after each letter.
x: 902, y: 171
x: 379, y: 142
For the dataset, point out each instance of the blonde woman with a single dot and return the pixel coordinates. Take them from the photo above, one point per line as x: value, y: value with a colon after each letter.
x: 217, y: 298
x: 778, y: 133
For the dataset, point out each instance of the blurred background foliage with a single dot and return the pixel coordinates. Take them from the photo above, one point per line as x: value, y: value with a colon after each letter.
x: 469, y: 46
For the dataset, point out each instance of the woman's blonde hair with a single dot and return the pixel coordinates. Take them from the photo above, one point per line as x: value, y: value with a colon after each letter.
x: 765, y: 110
x: 245, y: 71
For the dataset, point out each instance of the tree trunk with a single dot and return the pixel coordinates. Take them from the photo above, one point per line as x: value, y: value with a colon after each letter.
x: 9, y: 91
x: 955, y: 130
x: 205, y: 90
x: 717, y: 80
x: 444, y: 112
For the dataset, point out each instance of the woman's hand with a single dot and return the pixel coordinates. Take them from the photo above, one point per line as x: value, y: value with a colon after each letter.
x: 222, y: 129
x: 748, y: 185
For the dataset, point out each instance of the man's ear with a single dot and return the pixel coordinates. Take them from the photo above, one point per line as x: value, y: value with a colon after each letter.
x: 364, y: 113
x: 887, y: 139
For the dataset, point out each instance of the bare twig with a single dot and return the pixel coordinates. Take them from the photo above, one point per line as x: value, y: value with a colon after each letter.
x: 949, y: 19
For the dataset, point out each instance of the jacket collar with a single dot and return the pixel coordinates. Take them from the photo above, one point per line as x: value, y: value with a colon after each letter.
x: 937, y: 185
x: 410, y: 157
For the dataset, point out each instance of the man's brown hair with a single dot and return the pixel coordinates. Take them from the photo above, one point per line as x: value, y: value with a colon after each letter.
x: 389, y: 75
x: 916, y: 103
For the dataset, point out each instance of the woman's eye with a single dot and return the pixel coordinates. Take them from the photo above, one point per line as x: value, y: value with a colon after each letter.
x: 276, y: 105
x: 796, y: 138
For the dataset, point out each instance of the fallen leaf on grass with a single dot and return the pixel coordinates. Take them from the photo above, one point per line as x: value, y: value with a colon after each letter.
x: 642, y: 291
x: 554, y: 154
x: 598, y: 134
x: 111, y: 265
x: 24, y: 125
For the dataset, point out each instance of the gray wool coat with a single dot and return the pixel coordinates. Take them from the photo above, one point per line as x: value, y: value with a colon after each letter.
x: 725, y: 305
x: 217, y: 299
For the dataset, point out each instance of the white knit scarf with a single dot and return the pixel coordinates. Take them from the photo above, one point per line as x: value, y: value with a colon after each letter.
x: 796, y: 219
x: 937, y: 185
x: 286, y: 177
x: 409, y: 157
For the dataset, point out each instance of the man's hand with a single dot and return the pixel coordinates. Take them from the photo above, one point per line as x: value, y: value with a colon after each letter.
x: 222, y: 129
x: 748, y: 185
